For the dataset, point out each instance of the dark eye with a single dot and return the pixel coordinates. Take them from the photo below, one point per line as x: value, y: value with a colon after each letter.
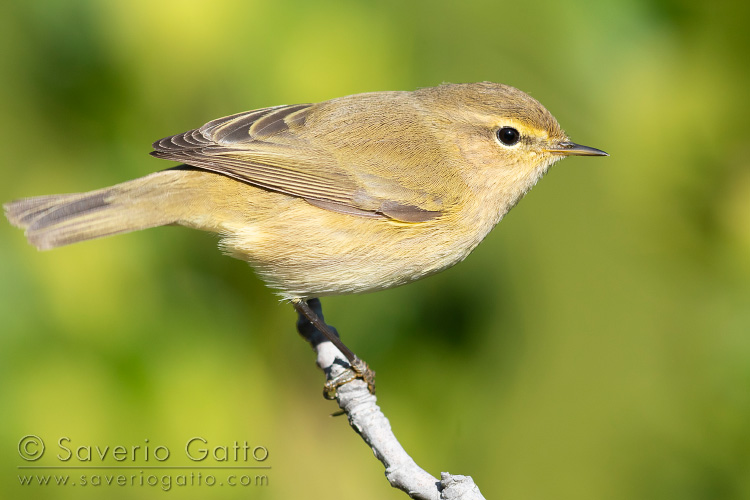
x: 508, y: 136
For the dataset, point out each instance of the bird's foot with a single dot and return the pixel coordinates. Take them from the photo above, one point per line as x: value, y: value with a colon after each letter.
x: 358, y: 369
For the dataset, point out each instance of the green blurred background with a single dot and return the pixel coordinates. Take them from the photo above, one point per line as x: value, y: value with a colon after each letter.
x: 596, y: 345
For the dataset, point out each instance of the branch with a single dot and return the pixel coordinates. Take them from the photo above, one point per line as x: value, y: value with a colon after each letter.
x: 370, y: 423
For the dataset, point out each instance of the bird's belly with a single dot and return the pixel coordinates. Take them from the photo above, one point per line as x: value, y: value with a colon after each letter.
x: 304, y: 251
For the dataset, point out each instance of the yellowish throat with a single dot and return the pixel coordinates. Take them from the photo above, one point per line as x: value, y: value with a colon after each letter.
x: 359, y: 193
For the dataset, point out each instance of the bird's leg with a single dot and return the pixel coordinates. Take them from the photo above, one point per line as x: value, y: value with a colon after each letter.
x: 310, y: 325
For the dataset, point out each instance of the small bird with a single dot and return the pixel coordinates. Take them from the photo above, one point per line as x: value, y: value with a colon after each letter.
x: 355, y: 194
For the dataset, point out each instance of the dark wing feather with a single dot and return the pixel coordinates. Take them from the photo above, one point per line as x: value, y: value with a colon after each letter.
x: 261, y: 148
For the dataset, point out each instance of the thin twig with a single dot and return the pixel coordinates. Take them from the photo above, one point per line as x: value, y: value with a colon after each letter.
x: 371, y: 424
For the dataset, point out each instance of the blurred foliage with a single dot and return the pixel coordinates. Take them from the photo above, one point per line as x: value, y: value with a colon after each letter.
x: 596, y: 345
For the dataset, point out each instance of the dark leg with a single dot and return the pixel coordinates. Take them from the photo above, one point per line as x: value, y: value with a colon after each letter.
x: 315, y: 316
x: 311, y: 315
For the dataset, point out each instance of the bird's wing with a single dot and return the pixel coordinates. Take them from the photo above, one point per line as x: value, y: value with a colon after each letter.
x: 269, y: 148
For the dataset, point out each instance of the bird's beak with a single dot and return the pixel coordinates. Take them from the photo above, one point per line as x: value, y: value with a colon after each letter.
x: 567, y: 148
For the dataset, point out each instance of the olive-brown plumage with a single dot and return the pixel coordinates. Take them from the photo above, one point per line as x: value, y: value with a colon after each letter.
x: 359, y: 193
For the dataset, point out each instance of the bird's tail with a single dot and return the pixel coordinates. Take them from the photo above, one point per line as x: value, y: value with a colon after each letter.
x: 61, y: 219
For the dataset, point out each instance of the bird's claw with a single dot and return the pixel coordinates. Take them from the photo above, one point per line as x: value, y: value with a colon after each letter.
x: 358, y: 369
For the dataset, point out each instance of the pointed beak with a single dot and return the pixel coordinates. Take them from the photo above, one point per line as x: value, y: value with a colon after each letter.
x: 567, y: 148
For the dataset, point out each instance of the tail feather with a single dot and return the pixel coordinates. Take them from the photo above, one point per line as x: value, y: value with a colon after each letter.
x: 57, y: 220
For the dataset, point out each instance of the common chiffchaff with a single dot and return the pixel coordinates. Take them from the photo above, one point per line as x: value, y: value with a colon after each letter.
x: 355, y: 194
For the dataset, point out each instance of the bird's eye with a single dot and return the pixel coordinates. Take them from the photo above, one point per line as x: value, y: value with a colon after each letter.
x: 508, y: 136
